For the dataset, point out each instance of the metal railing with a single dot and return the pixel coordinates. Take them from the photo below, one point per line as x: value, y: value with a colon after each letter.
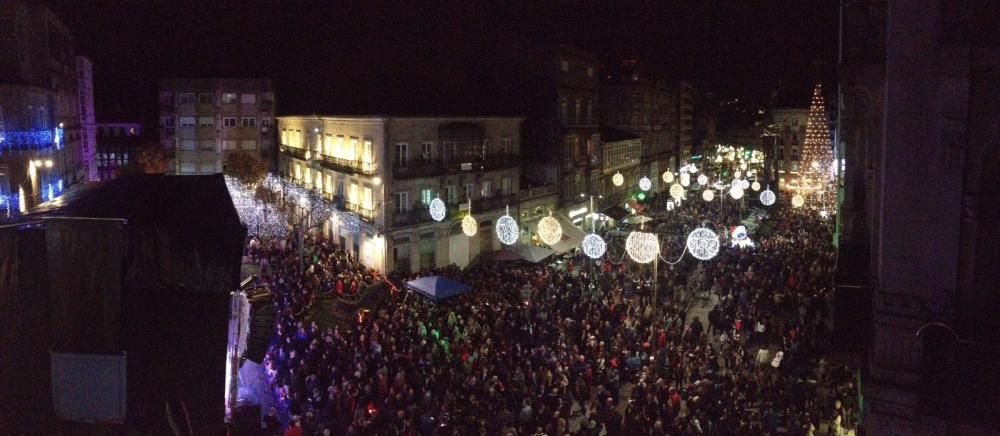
x: 431, y: 167
x: 362, y: 212
x: 347, y: 165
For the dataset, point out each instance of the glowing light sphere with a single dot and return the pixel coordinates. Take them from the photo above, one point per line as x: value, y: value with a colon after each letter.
x: 736, y: 192
x: 767, y: 197
x: 676, y: 191
x: 708, y: 195
x: 668, y: 177
x: 594, y: 246
x: 702, y: 180
x: 469, y: 225
x: 618, y: 179
x: 437, y: 209
x: 642, y: 247
x: 685, y: 179
x: 745, y: 184
x: 645, y: 184
x: 798, y: 201
x: 755, y: 186
x: 507, y: 230
x: 549, y: 230
x: 741, y: 238
x: 703, y: 243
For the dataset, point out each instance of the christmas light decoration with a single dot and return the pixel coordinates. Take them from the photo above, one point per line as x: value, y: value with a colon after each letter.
x: 767, y: 197
x: 642, y: 247
x: 349, y: 222
x: 708, y: 195
x: 645, y: 184
x: 549, y: 230
x: 736, y: 192
x: 507, y: 230
x: 618, y: 179
x: 702, y: 180
x: 755, y: 186
x: 798, y: 201
x: 469, y: 225
x: 437, y: 209
x: 740, y: 237
x: 745, y: 184
x: 593, y: 246
x: 703, y: 243
x: 676, y: 191
x: 685, y: 179
x: 262, y: 219
x: 668, y: 177
x: 817, y: 179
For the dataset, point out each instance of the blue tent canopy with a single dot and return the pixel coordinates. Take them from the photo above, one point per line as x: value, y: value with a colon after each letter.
x: 438, y: 288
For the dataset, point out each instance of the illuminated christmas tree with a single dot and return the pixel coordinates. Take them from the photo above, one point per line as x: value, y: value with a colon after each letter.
x: 817, y: 178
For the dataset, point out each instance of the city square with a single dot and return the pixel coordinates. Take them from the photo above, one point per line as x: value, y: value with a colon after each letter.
x: 468, y: 218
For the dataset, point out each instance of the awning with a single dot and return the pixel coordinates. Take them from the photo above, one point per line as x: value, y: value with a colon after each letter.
x: 437, y: 288
x: 532, y: 253
x: 572, y: 236
x: 616, y: 212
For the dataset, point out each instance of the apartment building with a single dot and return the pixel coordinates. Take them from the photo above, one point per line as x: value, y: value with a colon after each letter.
x: 387, y: 170
x: 204, y: 120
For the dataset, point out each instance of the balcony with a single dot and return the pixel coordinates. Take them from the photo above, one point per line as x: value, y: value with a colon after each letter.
x: 347, y: 165
x: 362, y: 212
x: 298, y: 153
x: 415, y: 215
x: 26, y: 140
x: 436, y: 167
x: 483, y: 204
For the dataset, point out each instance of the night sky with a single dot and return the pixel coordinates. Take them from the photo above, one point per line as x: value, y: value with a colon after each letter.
x: 332, y: 57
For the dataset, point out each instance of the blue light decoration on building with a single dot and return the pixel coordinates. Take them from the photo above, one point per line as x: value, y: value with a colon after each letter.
x: 24, y: 140
x: 59, y: 184
x: 58, y: 137
x: 51, y: 192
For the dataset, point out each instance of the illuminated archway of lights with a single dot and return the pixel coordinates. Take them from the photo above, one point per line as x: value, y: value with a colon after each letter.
x: 703, y: 243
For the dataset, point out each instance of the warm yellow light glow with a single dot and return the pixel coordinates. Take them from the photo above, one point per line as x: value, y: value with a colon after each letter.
x: 469, y: 225
x: 618, y: 179
x: 48, y: 163
x: 668, y: 177
x: 708, y: 195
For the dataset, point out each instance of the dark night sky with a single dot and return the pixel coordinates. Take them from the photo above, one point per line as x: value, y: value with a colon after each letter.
x: 335, y: 57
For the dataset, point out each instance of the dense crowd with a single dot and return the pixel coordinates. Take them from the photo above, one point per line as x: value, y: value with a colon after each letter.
x: 575, y: 347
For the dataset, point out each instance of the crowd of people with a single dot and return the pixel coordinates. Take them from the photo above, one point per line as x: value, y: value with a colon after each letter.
x: 576, y: 347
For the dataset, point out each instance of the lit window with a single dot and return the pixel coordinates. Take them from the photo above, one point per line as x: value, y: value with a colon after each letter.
x: 590, y: 71
x: 426, y: 195
x: 228, y: 97
x: 564, y: 66
x: 229, y: 144
x: 487, y: 189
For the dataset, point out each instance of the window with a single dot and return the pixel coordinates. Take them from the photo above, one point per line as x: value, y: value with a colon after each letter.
x: 329, y: 183
x: 186, y: 98
x: 564, y: 66
x: 353, y: 151
x: 486, y: 147
x: 229, y: 122
x: 487, y: 189
x: 426, y: 195
x: 468, y: 190
x: 188, y: 144
x: 795, y: 153
x: 452, y: 194
x: 265, y: 122
x: 206, y: 144
x: 248, y: 98
x: 781, y: 153
x: 168, y: 122
x: 248, y: 144
x: 563, y: 110
x: 353, y: 194
x: 426, y: 150
x: 576, y: 109
x: 402, y: 205
x: 401, y: 155
x: 367, y: 154
x: 505, y: 145
x: 368, y: 200
x: 187, y: 121
x: 249, y: 122
x: 505, y: 185
x: 590, y: 111
x: 206, y: 98
x: 206, y: 121
x: 590, y: 71
x: 229, y: 144
x: 228, y: 97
